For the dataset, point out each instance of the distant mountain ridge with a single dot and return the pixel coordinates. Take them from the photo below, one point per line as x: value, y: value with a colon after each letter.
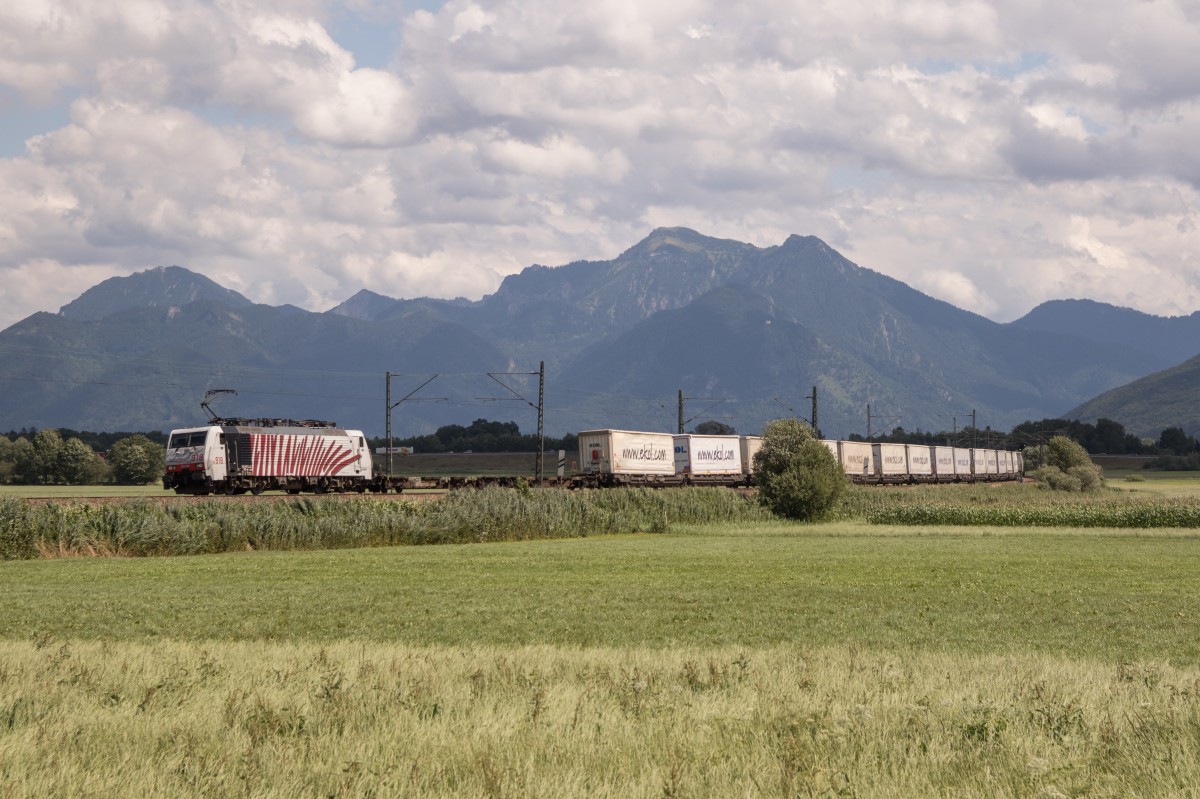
x: 746, y: 329
x: 1163, y: 339
x: 162, y: 286
x: 1150, y: 404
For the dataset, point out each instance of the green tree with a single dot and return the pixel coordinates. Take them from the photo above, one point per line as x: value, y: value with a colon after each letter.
x: 47, y: 444
x: 714, y: 428
x: 1176, y: 441
x: 6, y: 460
x: 24, y: 461
x: 137, y: 460
x: 75, y: 463
x: 797, y: 476
x: 1065, y: 466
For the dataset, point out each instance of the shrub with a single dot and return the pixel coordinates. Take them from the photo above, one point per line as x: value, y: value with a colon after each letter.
x: 1065, y: 466
x: 796, y: 475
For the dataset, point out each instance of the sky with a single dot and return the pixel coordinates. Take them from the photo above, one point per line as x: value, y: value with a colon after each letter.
x: 992, y: 154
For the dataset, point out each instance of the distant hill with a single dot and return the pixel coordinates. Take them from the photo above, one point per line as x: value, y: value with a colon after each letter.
x: 1151, y: 404
x: 1163, y: 340
x: 366, y: 305
x: 160, y: 287
x: 745, y: 332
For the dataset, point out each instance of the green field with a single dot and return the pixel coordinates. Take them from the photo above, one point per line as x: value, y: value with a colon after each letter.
x: 841, y: 659
x: 976, y: 590
x: 1149, y: 481
x: 76, y: 492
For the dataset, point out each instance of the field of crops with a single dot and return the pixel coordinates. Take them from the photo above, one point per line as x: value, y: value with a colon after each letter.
x: 605, y: 644
x: 350, y: 719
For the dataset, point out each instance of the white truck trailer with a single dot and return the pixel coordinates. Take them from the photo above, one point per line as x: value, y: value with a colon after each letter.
x: 615, y: 457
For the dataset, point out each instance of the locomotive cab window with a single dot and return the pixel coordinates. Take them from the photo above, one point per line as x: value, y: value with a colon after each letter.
x: 181, y: 440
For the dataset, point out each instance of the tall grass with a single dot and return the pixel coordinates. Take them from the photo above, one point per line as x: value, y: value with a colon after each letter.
x: 147, y: 527
x: 494, y: 514
x: 218, y: 719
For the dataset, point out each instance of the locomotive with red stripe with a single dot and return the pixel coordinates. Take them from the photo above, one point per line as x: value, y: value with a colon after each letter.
x: 235, y: 456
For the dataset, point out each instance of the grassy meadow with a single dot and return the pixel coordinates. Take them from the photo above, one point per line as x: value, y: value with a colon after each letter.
x: 79, y: 492
x: 670, y: 645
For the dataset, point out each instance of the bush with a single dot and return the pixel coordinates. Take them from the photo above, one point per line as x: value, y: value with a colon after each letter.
x: 1065, y: 466
x: 796, y: 475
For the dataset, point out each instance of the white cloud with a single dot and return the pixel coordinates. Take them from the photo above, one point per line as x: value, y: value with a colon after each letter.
x: 994, y: 154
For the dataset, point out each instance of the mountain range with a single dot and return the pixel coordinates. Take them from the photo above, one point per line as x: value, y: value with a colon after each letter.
x: 744, y: 332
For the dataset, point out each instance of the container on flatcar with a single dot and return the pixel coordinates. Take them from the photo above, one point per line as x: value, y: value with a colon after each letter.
x: 749, y: 446
x: 920, y: 461
x: 943, y: 464
x: 984, y: 461
x: 891, y: 462
x: 707, y: 456
x: 962, y: 464
x: 858, y: 460
x: 1004, y: 463
x: 626, y: 453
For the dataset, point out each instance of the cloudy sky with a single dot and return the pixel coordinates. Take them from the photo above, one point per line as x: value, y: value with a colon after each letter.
x: 992, y: 154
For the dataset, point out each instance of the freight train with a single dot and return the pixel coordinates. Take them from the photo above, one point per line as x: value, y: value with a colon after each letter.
x: 625, y: 457
x: 236, y: 456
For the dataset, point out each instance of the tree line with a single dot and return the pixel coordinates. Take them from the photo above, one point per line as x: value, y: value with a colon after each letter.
x: 480, y: 435
x: 47, y: 457
x: 1105, y: 437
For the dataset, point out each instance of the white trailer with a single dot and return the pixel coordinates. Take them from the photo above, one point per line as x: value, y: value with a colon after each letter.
x: 1004, y: 463
x: 750, y: 445
x: 985, y: 463
x: 858, y: 460
x: 943, y: 464
x: 891, y: 462
x: 962, y: 464
x: 618, y: 454
x: 698, y: 456
x: 920, y: 461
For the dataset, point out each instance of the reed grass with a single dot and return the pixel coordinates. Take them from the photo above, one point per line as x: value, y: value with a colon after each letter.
x: 145, y: 527
x: 141, y: 528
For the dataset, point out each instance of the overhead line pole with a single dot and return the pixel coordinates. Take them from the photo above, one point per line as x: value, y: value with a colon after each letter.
x: 390, y: 405
x: 541, y: 408
x: 541, y: 374
x: 816, y: 428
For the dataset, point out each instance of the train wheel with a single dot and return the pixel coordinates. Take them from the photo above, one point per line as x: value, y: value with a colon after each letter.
x: 256, y: 489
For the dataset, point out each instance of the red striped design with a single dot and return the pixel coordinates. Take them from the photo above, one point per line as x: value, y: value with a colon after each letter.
x: 286, y: 455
